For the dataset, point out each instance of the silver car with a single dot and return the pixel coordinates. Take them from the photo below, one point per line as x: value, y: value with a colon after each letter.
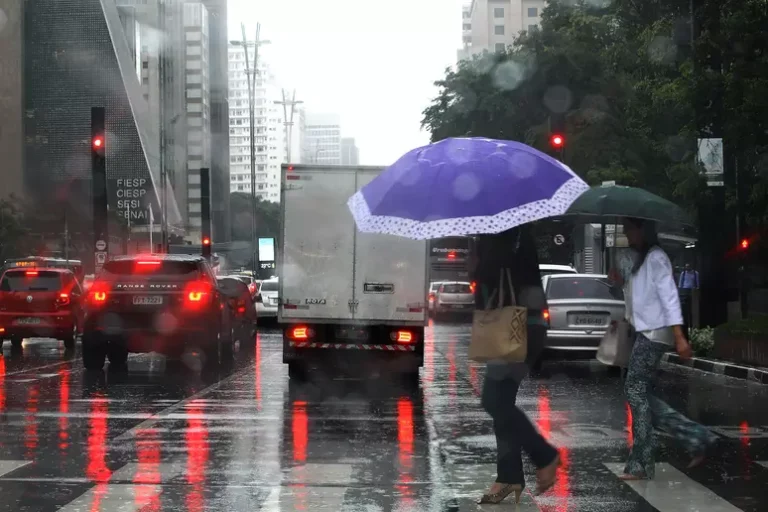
x: 267, y: 299
x: 454, y: 297
x: 581, y: 307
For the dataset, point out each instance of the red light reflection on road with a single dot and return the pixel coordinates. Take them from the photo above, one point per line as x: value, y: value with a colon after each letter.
x: 2, y: 383
x: 64, y: 375
x: 746, y: 458
x: 98, y: 428
x: 451, y: 355
x: 300, y: 429
x: 474, y: 379
x: 30, y: 423
x: 405, y: 435
x: 147, y: 497
x: 630, y: 435
x: 196, y: 439
x: 562, y: 489
x: 258, y: 371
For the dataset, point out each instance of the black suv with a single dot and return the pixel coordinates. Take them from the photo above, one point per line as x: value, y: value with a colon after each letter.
x: 159, y: 303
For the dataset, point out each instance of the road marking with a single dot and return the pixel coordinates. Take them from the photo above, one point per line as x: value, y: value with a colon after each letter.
x: 52, y: 365
x: 115, y: 498
x: 8, y: 466
x: 136, y: 472
x: 168, y: 411
x: 763, y: 463
x: 470, y: 481
x: 672, y: 491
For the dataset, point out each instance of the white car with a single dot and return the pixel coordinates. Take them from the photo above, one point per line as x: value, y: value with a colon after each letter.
x: 546, y: 269
x: 267, y: 298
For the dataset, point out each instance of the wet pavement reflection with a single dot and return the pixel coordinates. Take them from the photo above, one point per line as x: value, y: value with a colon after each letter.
x: 163, y: 436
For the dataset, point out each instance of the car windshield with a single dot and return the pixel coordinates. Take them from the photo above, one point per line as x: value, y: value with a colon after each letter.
x: 131, y: 267
x: 457, y: 288
x: 268, y: 286
x: 582, y: 288
x: 31, y: 281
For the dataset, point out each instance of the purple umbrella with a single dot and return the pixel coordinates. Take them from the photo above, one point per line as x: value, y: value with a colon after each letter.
x: 465, y: 186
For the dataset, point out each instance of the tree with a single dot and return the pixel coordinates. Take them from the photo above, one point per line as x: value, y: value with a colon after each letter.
x: 628, y: 92
x: 267, y: 217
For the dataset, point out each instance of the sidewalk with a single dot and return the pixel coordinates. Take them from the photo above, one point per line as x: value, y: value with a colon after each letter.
x: 759, y: 375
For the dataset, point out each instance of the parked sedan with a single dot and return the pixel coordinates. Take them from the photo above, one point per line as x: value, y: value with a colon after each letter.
x: 581, y: 307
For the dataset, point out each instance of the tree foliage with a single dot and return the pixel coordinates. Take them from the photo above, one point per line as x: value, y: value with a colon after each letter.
x: 267, y: 217
x: 630, y: 91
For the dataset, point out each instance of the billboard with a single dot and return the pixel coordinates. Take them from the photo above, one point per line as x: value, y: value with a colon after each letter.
x: 267, y: 251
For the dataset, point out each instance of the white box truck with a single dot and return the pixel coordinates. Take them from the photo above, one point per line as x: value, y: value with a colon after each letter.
x: 346, y: 296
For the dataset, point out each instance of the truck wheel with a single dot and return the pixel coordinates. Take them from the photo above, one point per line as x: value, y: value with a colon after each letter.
x: 118, y: 355
x: 93, y: 358
x: 297, y: 371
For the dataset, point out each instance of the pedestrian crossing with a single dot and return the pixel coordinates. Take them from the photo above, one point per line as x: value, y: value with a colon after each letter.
x: 322, y: 487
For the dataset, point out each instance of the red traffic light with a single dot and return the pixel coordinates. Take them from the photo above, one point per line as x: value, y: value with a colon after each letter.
x: 206, y: 241
x: 98, y: 142
x: 557, y: 141
x: 744, y: 244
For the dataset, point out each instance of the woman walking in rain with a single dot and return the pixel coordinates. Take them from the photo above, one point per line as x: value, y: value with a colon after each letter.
x: 514, y: 250
x: 653, y: 309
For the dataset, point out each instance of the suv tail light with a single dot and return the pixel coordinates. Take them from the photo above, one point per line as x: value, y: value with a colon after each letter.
x: 197, y: 293
x: 252, y: 288
x: 98, y: 293
x: 545, y: 316
x: 431, y: 296
x: 472, y: 287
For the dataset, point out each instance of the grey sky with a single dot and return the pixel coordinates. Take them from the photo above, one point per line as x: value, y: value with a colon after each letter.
x: 372, y: 62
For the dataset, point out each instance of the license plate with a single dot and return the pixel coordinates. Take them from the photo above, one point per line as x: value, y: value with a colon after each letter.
x: 148, y: 300
x: 589, y: 320
x: 273, y: 300
x: 352, y: 334
x: 460, y: 306
x: 28, y: 321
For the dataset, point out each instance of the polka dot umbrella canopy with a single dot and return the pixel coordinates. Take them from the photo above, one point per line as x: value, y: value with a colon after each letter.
x: 465, y: 186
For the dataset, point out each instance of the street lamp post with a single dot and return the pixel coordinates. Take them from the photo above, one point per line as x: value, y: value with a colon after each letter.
x: 288, y: 119
x: 255, y: 44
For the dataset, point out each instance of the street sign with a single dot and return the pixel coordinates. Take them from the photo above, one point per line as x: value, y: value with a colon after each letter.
x: 610, y: 240
x: 101, y: 258
x: 101, y: 245
x: 559, y: 239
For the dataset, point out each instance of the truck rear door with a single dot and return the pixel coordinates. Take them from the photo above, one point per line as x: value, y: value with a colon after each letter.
x: 318, y: 245
x: 390, y: 274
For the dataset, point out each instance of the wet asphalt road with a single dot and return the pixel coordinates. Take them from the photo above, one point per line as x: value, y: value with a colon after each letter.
x: 164, y: 438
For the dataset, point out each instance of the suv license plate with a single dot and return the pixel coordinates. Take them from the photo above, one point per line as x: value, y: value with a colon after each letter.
x: 28, y: 321
x: 147, y: 300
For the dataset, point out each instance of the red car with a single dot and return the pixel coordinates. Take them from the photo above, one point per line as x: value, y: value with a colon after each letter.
x: 40, y: 302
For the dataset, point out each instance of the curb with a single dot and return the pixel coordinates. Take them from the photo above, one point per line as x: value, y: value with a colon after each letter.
x: 720, y: 368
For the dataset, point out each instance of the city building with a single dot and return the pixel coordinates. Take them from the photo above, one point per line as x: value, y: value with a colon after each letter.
x: 64, y: 76
x: 323, y: 139
x: 492, y: 25
x: 269, y: 127
x: 12, y: 103
x: 350, y: 155
x: 197, y: 111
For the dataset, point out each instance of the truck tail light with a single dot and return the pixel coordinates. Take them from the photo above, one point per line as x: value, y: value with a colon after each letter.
x: 301, y: 333
x: 545, y: 316
x: 404, y: 337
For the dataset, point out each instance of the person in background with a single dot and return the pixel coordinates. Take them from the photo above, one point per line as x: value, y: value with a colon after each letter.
x: 653, y: 308
x: 689, y: 281
x: 514, y: 250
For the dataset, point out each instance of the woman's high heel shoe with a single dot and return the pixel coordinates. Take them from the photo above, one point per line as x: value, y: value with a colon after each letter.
x: 497, y: 497
x: 547, y: 476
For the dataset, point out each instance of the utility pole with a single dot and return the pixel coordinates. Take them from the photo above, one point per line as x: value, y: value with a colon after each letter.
x: 288, y: 120
x: 255, y: 44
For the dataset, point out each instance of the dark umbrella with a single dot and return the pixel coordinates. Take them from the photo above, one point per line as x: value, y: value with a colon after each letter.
x: 608, y: 204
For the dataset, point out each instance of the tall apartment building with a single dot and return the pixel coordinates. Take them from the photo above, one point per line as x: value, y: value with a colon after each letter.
x: 323, y: 139
x: 350, y: 154
x: 198, y: 110
x: 492, y: 25
x: 270, y: 137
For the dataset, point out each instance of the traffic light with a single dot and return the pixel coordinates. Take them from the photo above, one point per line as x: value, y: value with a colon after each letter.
x: 206, y: 247
x: 557, y: 141
x: 98, y: 145
x: 557, y: 134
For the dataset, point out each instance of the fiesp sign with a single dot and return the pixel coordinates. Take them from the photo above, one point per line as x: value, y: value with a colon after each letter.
x: 131, y: 199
